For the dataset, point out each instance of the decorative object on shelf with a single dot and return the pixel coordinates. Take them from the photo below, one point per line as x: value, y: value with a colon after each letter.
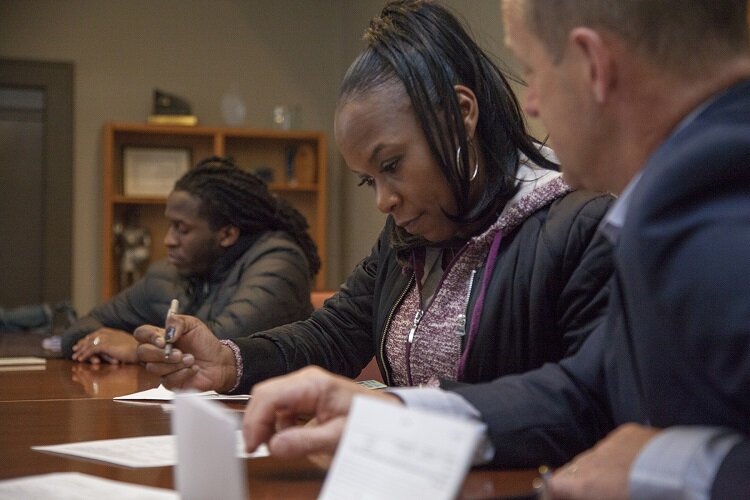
x: 233, y: 109
x: 291, y: 175
x: 152, y: 171
x: 133, y: 245
x: 265, y: 174
x: 285, y: 117
x: 304, y: 164
x: 171, y: 110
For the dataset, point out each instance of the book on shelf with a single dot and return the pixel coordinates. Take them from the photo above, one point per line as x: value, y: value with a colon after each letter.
x: 172, y: 119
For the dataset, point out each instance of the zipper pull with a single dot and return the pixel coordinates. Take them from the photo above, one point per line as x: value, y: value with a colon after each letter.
x: 461, y: 318
x: 461, y: 325
x: 417, y: 319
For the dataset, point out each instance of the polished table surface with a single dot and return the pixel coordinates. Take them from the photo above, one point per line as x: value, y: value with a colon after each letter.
x: 63, y: 379
x: 68, y: 402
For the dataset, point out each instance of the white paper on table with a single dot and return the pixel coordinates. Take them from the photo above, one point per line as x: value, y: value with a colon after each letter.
x: 22, y: 360
x: 22, y: 368
x: 389, y: 451
x: 161, y: 393
x: 205, y: 432
x: 137, y: 452
x: 74, y: 486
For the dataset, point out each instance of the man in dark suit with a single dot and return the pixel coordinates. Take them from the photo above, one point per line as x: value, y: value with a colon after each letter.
x: 663, y: 119
x: 649, y: 99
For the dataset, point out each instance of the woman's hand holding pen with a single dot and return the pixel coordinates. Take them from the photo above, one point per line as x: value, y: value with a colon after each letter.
x: 198, y: 361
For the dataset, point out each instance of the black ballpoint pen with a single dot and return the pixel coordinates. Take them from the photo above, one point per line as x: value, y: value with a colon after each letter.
x: 169, y: 335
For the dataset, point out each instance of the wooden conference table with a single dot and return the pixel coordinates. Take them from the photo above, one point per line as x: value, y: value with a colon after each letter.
x: 64, y: 402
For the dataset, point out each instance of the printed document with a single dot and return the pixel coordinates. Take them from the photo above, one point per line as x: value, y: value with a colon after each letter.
x: 389, y: 451
x: 137, y: 452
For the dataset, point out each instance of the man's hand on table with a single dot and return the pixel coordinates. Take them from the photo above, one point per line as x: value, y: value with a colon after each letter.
x: 603, y: 472
x: 106, y: 345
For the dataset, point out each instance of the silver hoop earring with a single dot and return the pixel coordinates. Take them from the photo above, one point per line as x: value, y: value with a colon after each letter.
x: 476, y: 164
x: 476, y: 171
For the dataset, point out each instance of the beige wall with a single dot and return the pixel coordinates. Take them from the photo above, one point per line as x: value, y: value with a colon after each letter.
x: 275, y: 51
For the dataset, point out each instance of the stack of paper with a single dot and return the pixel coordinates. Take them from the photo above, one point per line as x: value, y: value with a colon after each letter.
x: 22, y: 363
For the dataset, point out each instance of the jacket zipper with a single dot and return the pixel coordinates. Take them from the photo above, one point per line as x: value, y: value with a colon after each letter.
x: 385, y: 329
x: 461, y: 319
x: 409, y: 341
x: 417, y: 319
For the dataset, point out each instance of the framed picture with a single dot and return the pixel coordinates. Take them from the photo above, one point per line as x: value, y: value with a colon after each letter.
x: 152, y: 171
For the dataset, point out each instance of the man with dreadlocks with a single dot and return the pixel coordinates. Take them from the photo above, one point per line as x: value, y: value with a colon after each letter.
x: 238, y: 258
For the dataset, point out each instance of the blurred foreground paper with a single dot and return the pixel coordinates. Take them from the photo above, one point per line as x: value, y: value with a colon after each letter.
x: 67, y: 485
x: 207, y: 464
x: 389, y: 451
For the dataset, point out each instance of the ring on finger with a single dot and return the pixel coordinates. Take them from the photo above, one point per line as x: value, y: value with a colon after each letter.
x: 96, y: 341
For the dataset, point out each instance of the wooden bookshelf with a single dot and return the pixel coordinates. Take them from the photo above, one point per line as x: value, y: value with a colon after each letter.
x: 253, y: 149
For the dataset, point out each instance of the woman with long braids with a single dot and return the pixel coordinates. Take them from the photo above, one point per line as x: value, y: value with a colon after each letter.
x: 489, y: 263
x: 239, y: 259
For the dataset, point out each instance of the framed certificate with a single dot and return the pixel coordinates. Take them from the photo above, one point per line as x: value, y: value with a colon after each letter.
x: 152, y: 171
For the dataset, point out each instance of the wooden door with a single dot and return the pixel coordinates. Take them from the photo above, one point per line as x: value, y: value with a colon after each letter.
x: 36, y: 141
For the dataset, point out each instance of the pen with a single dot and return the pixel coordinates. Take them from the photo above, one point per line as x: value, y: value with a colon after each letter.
x: 540, y: 484
x: 169, y: 335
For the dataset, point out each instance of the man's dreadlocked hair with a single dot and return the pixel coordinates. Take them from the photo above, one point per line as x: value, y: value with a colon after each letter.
x: 232, y: 196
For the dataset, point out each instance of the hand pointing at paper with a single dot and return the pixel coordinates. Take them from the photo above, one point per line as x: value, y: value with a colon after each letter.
x: 199, y: 361
x: 278, y: 405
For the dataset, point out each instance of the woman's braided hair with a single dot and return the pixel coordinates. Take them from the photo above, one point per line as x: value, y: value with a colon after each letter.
x: 232, y: 196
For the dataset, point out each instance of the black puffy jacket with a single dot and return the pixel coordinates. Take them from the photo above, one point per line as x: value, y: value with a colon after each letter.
x: 260, y: 283
x: 547, y: 293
